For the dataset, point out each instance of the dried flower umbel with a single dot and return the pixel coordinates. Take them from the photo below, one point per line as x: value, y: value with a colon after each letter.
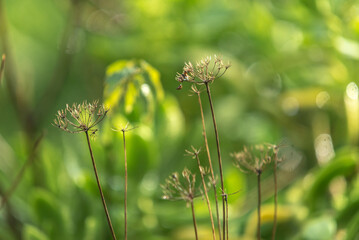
x: 85, y: 117
x: 82, y: 117
x: 175, y: 189
x: 204, y: 73
x: 254, y: 159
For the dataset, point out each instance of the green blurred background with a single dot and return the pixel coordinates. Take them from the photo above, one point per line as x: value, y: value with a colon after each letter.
x: 294, y: 76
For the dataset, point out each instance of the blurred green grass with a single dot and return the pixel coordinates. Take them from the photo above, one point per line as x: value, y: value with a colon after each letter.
x: 294, y: 75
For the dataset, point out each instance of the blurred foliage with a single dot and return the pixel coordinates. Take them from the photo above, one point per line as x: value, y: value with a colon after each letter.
x: 294, y: 75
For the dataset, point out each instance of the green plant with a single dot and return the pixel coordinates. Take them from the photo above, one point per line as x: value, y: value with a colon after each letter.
x: 20, y: 175
x: 85, y: 117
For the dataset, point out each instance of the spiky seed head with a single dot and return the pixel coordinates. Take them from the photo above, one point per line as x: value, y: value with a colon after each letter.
x: 80, y: 117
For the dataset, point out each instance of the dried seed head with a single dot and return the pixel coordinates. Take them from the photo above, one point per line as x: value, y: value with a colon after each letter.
x: 252, y: 159
x: 176, y: 189
x: 206, y: 71
x: 83, y: 117
x: 193, y: 153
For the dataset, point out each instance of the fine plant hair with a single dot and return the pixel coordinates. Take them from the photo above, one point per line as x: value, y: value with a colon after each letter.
x: 194, y: 154
x: 124, y: 130
x: 204, y: 73
x: 253, y: 159
x: 20, y: 175
x: 84, y: 118
x: 2, y: 66
x: 213, y: 178
x: 175, y: 189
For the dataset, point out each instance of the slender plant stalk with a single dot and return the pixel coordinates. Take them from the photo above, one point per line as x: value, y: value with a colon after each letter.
x: 99, y: 188
x: 210, y: 164
x: 194, y: 220
x: 207, y: 199
x: 124, y: 147
x: 20, y: 175
x: 2, y: 66
x: 275, y: 199
x: 226, y: 215
x: 259, y: 208
x: 219, y: 158
x: 12, y: 220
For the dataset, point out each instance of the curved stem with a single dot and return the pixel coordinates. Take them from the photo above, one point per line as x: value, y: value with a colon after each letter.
x: 219, y: 158
x: 20, y: 175
x: 124, y: 147
x: 275, y: 200
x: 259, y: 208
x: 207, y: 199
x: 194, y: 220
x: 210, y: 164
x: 99, y: 187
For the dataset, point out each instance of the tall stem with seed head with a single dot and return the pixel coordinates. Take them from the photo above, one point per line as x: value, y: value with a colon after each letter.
x: 194, y: 220
x: 254, y: 159
x: 259, y: 206
x: 206, y: 195
x: 275, y: 197
x: 210, y: 163
x: 124, y: 147
x: 219, y: 157
x: 99, y: 187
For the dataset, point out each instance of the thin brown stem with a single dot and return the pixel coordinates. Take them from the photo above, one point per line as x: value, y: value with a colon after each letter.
x: 194, y: 220
x: 206, y: 195
x: 226, y: 214
x: 210, y: 165
x: 124, y: 147
x: 20, y: 175
x: 275, y: 199
x: 99, y: 188
x: 2, y: 66
x: 259, y: 207
x: 219, y: 158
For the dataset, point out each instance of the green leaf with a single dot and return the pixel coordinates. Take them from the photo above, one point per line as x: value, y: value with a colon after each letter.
x: 322, y: 228
x: 352, y: 230
x: 32, y: 233
x: 342, y: 165
x: 48, y: 211
x: 347, y: 213
x: 135, y: 87
x: 153, y: 76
